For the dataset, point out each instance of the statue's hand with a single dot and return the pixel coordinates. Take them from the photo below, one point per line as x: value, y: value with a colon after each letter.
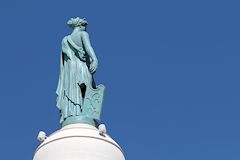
x: 93, y: 67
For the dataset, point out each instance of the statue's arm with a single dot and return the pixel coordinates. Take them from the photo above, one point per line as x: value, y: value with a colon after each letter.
x: 65, y: 49
x: 90, y: 52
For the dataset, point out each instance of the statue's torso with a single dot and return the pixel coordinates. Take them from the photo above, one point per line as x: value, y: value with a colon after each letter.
x: 76, y: 38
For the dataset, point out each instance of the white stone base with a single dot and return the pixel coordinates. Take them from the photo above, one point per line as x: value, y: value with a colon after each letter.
x: 78, y: 142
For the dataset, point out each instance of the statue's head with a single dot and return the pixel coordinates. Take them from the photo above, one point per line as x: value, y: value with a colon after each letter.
x: 77, y: 22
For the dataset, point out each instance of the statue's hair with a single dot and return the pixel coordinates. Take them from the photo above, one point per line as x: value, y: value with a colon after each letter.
x: 75, y: 22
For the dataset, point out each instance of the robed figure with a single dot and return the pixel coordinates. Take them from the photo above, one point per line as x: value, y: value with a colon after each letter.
x: 78, y: 63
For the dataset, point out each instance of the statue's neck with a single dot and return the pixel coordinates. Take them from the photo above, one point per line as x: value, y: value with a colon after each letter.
x: 78, y: 29
x: 75, y: 30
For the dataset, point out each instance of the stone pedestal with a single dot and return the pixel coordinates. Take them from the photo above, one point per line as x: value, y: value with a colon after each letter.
x: 78, y: 142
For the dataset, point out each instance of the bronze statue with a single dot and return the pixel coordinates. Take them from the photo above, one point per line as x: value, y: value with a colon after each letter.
x: 79, y: 99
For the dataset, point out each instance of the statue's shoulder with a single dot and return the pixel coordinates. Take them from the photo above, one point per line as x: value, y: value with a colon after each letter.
x: 84, y: 33
x: 64, y: 39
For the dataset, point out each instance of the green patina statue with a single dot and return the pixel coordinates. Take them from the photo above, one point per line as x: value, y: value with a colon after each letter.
x: 79, y: 99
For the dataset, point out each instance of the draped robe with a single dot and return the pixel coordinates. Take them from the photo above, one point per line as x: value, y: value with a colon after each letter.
x: 74, y: 72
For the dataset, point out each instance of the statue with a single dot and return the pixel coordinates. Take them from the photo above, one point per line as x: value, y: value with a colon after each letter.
x: 79, y: 100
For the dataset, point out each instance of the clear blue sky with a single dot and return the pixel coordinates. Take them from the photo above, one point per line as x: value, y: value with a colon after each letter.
x: 171, y: 69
